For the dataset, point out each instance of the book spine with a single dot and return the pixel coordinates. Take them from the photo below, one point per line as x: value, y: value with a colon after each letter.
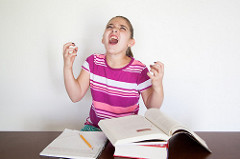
x: 157, y: 145
x: 128, y: 157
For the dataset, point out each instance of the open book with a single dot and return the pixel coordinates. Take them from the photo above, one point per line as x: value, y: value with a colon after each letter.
x: 69, y: 144
x: 153, y: 125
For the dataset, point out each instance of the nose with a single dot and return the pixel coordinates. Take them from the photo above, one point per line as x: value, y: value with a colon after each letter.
x: 115, y: 30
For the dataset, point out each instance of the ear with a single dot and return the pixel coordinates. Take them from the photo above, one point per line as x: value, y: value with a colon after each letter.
x: 131, y: 43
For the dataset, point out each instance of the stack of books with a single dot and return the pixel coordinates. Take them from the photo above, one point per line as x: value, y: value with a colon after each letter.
x: 147, y: 136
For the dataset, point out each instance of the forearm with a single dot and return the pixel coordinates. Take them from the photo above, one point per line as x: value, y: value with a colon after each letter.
x: 72, y: 86
x: 155, y: 98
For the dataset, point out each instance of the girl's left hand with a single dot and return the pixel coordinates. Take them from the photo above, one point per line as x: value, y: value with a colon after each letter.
x: 157, y: 74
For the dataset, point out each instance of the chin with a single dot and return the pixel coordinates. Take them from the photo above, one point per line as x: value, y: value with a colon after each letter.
x: 111, y: 50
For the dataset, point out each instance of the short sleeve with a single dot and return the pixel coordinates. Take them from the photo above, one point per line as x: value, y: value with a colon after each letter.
x: 85, y: 66
x: 143, y: 81
x: 87, y: 63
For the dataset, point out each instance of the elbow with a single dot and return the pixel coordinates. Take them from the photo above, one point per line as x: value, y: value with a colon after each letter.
x: 157, y: 105
x: 154, y: 106
x: 76, y: 96
x: 75, y: 100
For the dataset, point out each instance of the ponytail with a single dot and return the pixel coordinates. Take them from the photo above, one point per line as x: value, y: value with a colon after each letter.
x: 129, y: 52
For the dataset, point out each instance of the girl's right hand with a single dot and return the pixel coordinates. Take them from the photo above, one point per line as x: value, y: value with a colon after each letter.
x: 69, y: 54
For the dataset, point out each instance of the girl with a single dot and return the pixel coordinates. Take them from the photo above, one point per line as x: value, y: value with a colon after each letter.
x: 115, y: 78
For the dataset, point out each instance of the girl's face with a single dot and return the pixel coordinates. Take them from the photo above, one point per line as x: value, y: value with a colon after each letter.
x: 117, y: 36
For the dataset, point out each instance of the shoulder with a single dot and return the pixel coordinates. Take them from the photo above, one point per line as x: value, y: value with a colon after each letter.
x: 96, y: 61
x: 138, y: 65
x: 95, y: 56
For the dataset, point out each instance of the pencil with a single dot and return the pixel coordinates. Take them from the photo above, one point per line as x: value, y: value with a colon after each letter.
x: 89, y: 145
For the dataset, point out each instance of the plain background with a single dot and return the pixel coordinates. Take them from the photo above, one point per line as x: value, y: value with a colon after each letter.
x: 197, y: 40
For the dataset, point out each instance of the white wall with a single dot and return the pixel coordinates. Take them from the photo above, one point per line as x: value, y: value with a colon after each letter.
x: 198, y: 41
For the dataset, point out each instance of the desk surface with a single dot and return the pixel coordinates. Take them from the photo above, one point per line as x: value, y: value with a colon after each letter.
x: 28, y: 145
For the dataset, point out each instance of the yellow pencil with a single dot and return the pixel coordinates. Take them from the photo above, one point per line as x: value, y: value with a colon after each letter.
x: 89, y: 145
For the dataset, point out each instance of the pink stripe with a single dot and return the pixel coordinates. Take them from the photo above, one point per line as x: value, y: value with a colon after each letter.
x: 102, y: 89
x: 114, y: 109
x: 104, y: 114
x: 136, y: 62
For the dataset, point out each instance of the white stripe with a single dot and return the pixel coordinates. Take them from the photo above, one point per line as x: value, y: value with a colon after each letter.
x: 114, y: 89
x: 99, y: 60
x: 144, y: 84
x: 86, y: 65
x: 100, y: 63
x: 112, y: 83
x: 137, y: 67
x: 133, y: 71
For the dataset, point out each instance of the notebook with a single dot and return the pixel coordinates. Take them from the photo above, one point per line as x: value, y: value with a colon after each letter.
x: 69, y: 144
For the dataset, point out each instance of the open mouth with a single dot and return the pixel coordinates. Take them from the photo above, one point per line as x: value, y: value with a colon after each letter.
x: 113, y: 40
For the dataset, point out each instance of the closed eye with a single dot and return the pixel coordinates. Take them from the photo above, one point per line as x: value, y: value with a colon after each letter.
x: 123, y: 27
x: 109, y: 26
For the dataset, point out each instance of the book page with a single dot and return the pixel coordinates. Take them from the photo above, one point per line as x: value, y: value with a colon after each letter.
x: 162, y: 121
x: 170, y: 126
x: 69, y: 144
x: 130, y: 129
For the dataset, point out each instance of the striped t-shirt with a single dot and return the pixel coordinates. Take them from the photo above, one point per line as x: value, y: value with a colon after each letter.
x: 115, y: 92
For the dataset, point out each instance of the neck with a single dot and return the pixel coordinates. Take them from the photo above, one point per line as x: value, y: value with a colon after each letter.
x: 117, y: 60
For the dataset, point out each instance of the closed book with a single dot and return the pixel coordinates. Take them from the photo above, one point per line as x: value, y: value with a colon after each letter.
x: 145, y: 150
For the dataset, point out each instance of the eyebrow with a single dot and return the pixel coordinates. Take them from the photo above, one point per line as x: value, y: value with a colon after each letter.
x: 120, y: 25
